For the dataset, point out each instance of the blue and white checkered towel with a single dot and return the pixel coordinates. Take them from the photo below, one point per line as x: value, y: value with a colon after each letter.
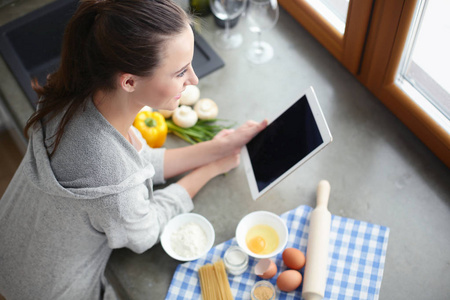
x: 355, y: 261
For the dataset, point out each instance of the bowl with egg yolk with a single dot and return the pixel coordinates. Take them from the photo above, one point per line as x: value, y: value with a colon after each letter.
x: 262, y: 234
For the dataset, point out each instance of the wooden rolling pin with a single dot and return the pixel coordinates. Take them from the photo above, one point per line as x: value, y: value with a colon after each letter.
x: 315, y: 276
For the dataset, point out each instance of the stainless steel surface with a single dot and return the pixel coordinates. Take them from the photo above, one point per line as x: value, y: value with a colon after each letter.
x: 378, y: 170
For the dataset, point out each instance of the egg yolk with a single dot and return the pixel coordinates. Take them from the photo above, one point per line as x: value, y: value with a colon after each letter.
x: 261, y: 239
x: 256, y: 244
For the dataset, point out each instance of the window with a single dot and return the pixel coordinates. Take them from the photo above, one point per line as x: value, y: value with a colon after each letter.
x: 340, y: 25
x: 386, y: 45
x: 423, y: 71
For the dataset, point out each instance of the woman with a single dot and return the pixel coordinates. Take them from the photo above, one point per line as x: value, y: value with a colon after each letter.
x: 85, y: 185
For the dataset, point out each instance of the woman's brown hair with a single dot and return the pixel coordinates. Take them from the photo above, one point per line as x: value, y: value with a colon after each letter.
x: 103, y: 39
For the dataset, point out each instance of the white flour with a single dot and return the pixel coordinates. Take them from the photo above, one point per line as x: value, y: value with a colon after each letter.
x: 189, y: 240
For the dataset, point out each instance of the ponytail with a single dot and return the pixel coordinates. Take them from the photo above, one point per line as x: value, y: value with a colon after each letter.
x: 103, y: 39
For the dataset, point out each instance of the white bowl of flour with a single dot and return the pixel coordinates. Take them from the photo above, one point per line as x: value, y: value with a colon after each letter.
x: 187, y: 237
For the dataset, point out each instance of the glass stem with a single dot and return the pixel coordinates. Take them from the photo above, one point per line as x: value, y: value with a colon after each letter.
x: 259, y: 47
x: 227, y: 29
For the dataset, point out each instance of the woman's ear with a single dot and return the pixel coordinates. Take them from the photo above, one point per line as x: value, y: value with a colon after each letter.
x: 127, y: 82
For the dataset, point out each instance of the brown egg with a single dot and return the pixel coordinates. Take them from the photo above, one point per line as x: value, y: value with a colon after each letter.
x: 266, y: 268
x: 293, y: 258
x: 289, y: 280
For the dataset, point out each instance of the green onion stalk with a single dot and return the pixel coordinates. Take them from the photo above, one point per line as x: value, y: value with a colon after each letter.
x: 202, y: 131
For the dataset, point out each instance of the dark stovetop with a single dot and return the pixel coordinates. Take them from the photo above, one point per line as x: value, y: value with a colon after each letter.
x: 31, y: 45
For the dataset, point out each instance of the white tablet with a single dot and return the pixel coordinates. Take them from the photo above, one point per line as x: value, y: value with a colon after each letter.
x: 293, y: 137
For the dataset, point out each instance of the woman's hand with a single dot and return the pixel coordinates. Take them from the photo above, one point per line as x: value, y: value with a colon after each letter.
x: 233, y: 140
x: 223, y: 132
x: 212, y: 158
x: 225, y: 143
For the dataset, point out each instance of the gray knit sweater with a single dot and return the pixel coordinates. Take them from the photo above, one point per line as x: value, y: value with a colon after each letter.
x: 60, y: 218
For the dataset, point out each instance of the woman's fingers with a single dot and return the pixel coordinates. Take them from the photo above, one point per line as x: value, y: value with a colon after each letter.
x: 224, y: 132
x: 248, y: 130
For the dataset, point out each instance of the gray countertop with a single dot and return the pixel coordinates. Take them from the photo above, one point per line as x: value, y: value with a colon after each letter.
x: 378, y: 170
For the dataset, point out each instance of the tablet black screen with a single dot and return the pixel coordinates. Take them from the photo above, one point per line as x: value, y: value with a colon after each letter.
x: 284, y: 142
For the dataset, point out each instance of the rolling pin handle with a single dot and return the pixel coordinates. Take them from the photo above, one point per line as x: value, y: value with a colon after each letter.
x: 323, y: 193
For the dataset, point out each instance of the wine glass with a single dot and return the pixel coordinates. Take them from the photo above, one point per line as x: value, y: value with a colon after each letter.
x: 227, y: 10
x: 261, y: 15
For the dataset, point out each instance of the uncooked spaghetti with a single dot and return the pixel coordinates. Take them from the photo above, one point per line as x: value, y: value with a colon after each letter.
x: 214, y: 282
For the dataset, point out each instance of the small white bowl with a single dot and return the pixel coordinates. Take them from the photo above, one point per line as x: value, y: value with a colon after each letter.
x: 266, y: 218
x: 181, y: 220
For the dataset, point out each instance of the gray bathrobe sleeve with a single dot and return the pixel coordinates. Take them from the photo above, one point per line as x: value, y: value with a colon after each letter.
x: 95, y: 157
x: 60, y: 218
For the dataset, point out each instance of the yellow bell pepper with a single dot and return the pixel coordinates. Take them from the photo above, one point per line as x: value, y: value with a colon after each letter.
x: 152, y: 126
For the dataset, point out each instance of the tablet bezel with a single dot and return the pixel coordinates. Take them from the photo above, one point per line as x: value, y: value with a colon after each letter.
x: 324, y: 133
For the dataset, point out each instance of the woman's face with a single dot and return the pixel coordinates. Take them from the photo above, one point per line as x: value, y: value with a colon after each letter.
x: 163, y: 89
